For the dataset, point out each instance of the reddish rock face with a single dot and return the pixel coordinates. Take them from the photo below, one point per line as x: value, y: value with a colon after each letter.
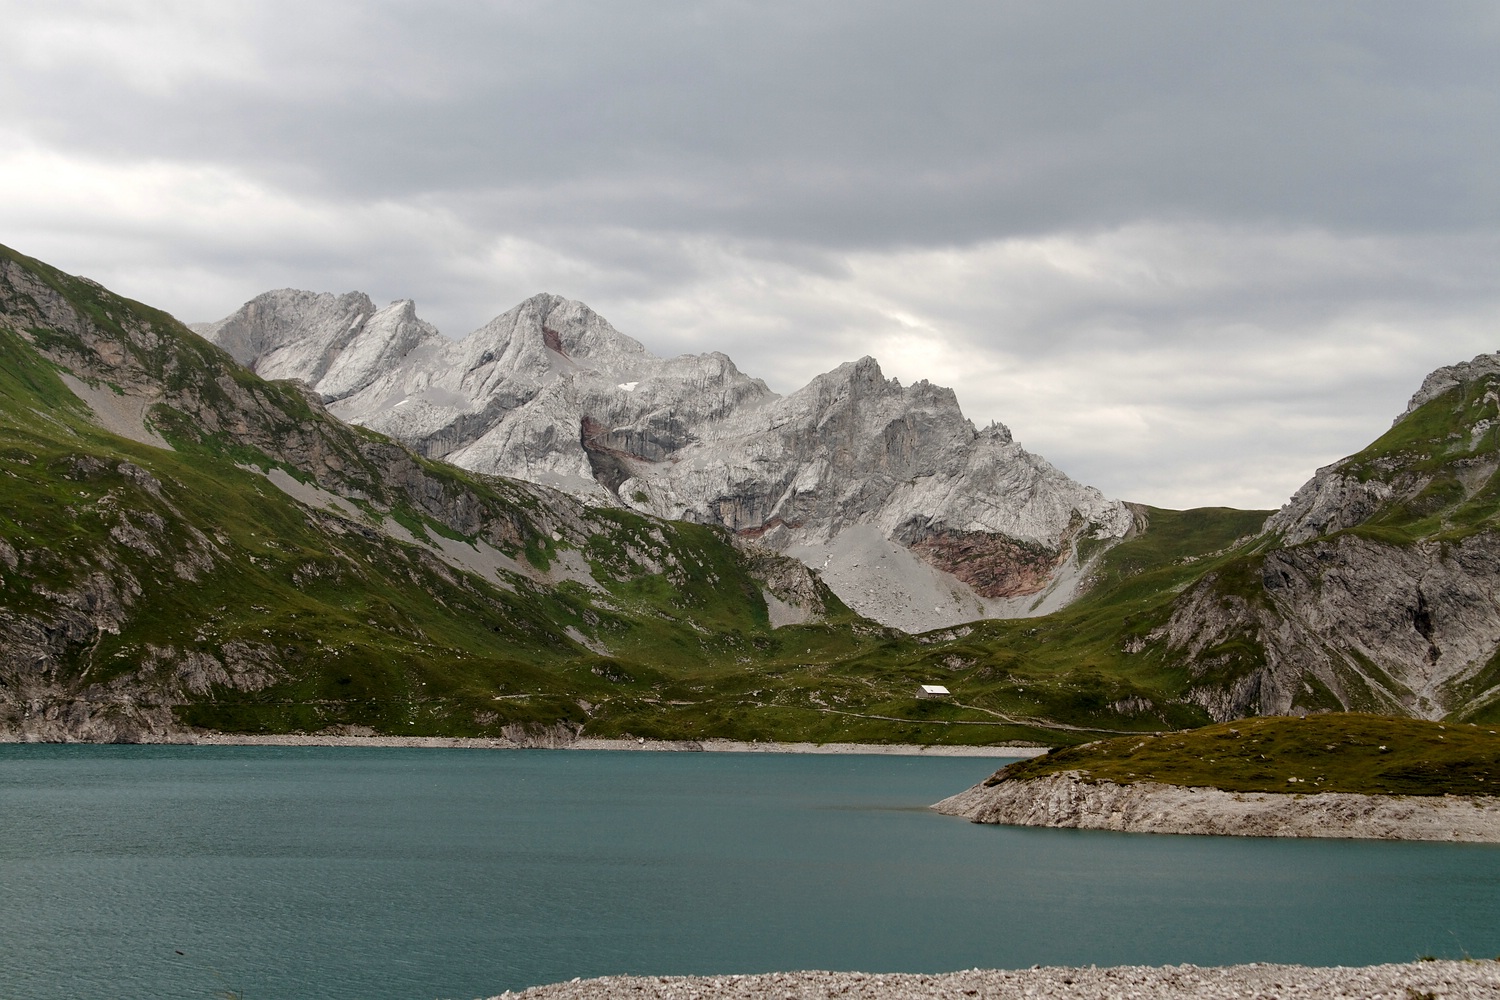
x: 553, y: 340
x: 993, y: 565
x: 760, y: 529
x: 611, y: 466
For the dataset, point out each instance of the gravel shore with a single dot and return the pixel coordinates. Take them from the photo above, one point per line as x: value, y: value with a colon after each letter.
x: 586, y: 743
x: 1412, y: 981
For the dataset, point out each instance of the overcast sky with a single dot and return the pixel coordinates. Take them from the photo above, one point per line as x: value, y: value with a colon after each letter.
x: 1188, y: 251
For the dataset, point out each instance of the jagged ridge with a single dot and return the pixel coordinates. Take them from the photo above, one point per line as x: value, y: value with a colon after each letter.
x: 852, y: 474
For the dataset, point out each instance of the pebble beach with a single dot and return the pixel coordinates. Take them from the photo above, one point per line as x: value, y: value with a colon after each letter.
x: 1471, y: 980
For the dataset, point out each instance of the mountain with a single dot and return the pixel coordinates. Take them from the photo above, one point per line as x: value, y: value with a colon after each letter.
x: 1368, y: 590
x: 913, y: 516
x: 185, y: 545
x: 1375, y: 587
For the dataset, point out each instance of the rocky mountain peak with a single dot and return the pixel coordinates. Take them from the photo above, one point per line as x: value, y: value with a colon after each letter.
x: 550, y: 392
x: 545, y: 337
x: 570, y: 329
x: 997, y: 431
x: 862, y: 385
x: 865, y: 373
x: 1440, y: 381
x: 337, y: 344
x: 1422, y: 463
x: 274, y: 320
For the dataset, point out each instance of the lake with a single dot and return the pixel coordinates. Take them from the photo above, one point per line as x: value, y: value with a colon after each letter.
x: 187, y: 872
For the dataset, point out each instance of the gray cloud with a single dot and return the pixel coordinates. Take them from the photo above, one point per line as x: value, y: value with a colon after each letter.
x: 847, y: 124
x: 1188, y: 251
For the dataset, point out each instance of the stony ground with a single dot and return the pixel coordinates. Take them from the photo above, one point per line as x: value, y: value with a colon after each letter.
x: 1414, y: 981
x: 1065, y: 800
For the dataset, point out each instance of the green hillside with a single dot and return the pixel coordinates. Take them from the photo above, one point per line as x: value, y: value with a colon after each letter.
x: 1347, y: 752
x: 1439, y: 463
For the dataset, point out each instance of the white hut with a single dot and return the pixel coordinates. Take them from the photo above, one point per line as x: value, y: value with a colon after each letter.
x: 933, y: 691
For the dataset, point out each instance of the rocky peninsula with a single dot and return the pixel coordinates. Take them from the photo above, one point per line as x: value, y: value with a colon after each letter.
x: 1410, y: 981
x: 1340, y: 775
x: 1072, y: 800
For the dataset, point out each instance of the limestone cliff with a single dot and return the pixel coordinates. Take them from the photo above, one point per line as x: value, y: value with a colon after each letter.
x: 917, y: 518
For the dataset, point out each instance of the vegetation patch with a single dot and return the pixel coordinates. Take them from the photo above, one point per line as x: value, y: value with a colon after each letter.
x: 1334, y: 752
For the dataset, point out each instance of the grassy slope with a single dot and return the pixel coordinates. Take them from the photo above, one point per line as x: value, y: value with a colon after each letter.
x: 402, y: 652
x: 1453, y: 437
x: 1340, y: 752
x: 1062, y: 679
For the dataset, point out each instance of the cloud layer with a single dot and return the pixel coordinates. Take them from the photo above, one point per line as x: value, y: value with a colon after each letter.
x: 1188, y: 252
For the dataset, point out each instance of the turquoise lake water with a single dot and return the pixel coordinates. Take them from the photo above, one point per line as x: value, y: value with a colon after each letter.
x: 411, y: 874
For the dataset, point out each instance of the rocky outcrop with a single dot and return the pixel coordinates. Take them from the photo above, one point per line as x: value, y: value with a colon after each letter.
x: 1345, y: 622
x: 1451, y: 376
x: 1374, y: 587
x: 993, y: 565
x: 1073, y: 801
x: 1451, y: 447
x: 338, y: 344
x: 137, y: 706
x: 558, y: 736
x: 551, y: 393
x: 793, y: 593
x: 1332, y: 501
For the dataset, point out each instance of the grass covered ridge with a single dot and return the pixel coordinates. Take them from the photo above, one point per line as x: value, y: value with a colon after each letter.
x: 1334, y: 752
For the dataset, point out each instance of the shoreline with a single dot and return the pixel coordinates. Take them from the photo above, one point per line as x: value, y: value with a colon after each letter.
x: 1436, y: 978
x: 615, y: 745
x: 1070, y: 801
